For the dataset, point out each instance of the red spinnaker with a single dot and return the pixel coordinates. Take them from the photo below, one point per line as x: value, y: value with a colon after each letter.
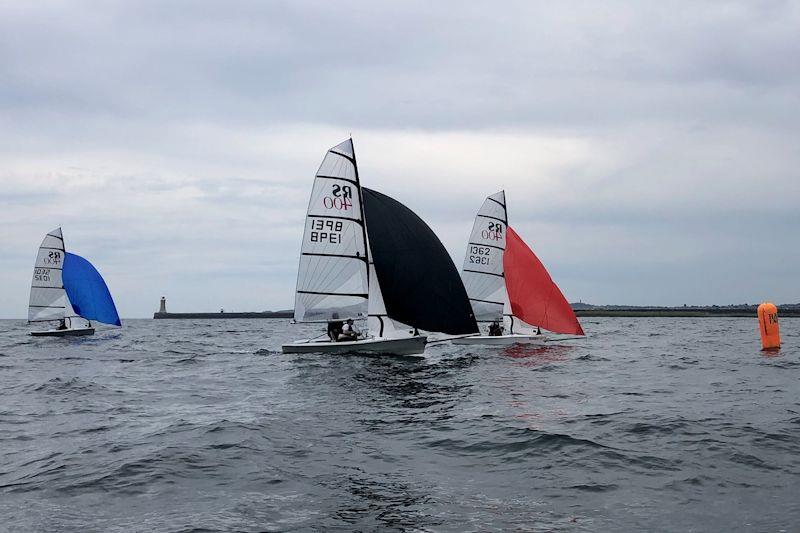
x: 534, y: 297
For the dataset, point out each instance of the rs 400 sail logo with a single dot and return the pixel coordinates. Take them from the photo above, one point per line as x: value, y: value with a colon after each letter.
x: 53, y: 258
x: 494, y: 232
x: 341, y: 198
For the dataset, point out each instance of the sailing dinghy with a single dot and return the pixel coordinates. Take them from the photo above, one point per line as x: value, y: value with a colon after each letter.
x: 367, y: 256
x: 66, y: 287
x: 507, y: 283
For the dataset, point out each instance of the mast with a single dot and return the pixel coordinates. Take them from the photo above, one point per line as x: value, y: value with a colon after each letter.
x: 361, y: 204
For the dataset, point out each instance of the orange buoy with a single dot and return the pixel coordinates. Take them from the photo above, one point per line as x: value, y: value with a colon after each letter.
x: 768, y: 325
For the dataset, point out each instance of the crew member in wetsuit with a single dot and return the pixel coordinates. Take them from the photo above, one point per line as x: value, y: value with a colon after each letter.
x: 334, y: 329
x: 349, y: 332
x: 62, y: 324
x: 495, y: 329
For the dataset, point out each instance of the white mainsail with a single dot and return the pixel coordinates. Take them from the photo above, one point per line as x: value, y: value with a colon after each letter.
x: 48, y: 299
x: 483, y: 264
x: 333, y: 281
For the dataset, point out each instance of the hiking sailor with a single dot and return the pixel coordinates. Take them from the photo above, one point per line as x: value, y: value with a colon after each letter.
x: 495, y: 329
x: 349, y: 331
x: 334, y: 329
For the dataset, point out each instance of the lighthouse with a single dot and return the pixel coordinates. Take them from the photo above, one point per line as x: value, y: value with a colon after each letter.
x: 163, y: 307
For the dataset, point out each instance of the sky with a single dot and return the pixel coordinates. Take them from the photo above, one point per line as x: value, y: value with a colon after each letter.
x: 649, y: 150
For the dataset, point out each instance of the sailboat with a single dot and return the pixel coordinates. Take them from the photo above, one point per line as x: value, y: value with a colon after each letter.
x: 66, y: 287
x: 367, y: 256
x: 506, y: 282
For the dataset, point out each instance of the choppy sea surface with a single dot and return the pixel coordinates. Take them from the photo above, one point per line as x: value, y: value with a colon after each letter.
x: 648, y: 424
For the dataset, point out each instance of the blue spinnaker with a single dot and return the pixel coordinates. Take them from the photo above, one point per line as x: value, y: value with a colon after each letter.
x: 87, y: 292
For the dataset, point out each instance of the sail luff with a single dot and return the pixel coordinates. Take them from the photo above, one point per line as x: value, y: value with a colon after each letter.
x: 361, y: 207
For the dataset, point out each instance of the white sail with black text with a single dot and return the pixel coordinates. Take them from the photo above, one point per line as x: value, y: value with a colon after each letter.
x: 483, y: 264
x: 48, y: 300
x: 332, y: 280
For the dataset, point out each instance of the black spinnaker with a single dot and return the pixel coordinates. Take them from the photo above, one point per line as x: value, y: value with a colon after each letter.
x: 420, y: 284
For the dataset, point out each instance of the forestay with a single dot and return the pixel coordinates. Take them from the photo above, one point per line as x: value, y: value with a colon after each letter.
x: 48, y: 300
x: 483, y: 264
x: 332, y: 281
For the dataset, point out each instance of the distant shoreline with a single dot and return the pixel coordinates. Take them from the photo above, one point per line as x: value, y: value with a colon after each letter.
x: 699, y: 312
x: 581, y: 310
x: 223, y: 315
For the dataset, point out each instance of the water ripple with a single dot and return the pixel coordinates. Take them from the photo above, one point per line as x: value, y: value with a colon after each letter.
x: 648, y: 424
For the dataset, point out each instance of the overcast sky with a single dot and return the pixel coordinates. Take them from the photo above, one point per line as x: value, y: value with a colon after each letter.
x: 649, y: 150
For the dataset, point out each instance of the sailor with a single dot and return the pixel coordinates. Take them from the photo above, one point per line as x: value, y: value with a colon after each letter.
x: 349, y: 331
x: 495, y: 329
x: 334, y: 329
x: 62, y: 324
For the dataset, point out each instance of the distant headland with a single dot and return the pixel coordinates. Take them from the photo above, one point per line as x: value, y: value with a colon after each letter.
x: 580, y: 308
x: 162, y: 313
x: 739, y: 310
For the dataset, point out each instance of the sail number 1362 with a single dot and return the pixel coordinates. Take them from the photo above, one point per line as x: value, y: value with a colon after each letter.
x: 479, y: 255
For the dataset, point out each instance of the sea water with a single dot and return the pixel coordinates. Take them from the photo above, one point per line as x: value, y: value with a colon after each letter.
x: 648, y: 424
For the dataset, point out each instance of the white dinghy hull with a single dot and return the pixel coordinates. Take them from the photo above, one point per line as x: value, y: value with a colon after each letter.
x: 77, y: 332
x: 380, y: 346
x: 502, y: 340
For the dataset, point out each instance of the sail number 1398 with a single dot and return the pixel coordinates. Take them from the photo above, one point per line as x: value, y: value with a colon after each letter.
x: 326, y: 231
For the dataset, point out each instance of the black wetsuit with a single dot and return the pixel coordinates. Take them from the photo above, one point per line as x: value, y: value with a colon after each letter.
x: 334, y: 329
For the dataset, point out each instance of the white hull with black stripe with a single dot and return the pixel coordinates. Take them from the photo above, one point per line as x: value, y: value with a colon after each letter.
x: 69, y: 332
x: 370, y: 346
